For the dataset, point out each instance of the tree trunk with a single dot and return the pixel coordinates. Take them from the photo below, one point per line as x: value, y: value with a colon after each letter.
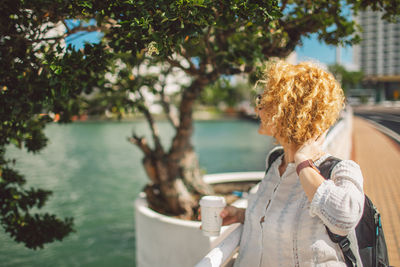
x: 177, y: 182
x: 175, y: 195
x: 190, y: 171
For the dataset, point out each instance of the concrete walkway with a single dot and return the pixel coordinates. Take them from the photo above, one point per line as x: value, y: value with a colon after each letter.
x: 379, y: 158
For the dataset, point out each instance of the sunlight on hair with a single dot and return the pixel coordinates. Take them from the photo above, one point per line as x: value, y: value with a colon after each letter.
x: 301, y: 101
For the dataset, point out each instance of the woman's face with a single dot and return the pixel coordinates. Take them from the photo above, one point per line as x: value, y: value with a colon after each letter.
x: 266, y: 126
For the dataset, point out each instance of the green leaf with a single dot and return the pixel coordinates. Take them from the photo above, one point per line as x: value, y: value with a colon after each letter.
x: 86, y: 4
x: 58, y: 71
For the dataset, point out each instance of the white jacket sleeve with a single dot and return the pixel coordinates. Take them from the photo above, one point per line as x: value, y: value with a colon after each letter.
x: 339, y: 201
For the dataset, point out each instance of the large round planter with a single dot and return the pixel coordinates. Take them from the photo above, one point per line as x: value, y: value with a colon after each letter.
x: 167, y: 241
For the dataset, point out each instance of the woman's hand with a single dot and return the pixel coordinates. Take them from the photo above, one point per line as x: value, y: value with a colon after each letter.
x: 230, y: 215
x: 312, y: 149
x: 310, y: 179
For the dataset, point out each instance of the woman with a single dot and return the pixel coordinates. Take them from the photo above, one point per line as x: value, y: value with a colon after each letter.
x: 284, y: 224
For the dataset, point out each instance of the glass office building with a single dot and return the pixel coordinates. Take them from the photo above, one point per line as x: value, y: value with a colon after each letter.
x: 378, y: 54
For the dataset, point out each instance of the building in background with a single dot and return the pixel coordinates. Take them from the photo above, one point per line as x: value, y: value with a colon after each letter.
x: 378, y: 55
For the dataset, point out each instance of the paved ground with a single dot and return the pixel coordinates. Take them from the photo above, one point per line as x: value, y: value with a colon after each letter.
x: 379, y: 158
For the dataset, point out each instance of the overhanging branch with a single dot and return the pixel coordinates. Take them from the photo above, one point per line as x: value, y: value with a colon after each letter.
x: 191, y: 70
x: 66, y: 26
x: 210, y: 51
x: 192, y: 67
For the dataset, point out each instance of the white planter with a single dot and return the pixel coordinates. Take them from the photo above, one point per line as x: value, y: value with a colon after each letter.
x: 166, y: 241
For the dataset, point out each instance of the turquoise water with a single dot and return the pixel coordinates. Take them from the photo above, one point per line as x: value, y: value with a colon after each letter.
x: 96, y: 174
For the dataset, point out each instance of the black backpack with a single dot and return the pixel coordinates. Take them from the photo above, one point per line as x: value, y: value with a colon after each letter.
x: 369, y: 233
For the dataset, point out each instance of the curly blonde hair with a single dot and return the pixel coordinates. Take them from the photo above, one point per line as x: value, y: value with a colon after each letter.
x: 301, y: 101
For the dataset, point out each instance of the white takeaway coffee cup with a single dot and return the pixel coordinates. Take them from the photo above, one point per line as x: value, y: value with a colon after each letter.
x: 211, y: 207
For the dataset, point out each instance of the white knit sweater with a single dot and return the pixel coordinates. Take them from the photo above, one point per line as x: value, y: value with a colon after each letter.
x: 282, y: 228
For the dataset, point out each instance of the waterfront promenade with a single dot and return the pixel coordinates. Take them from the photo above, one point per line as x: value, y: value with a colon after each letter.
x: 379, y: 158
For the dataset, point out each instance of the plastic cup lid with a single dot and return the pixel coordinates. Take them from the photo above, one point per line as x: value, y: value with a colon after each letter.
x: 212, y: 201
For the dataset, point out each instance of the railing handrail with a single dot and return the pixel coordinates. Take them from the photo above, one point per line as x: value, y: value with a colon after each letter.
x: 221, y: 255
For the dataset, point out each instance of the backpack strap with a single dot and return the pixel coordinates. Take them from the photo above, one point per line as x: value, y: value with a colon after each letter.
x: 326, y: 168
x: 344, y: 244
x: 273, y: 156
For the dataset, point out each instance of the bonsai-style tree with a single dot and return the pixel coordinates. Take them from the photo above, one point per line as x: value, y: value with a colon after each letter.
x: 207, y: 40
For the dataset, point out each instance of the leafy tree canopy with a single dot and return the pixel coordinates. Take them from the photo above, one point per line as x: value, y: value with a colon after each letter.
x: 39, y: 77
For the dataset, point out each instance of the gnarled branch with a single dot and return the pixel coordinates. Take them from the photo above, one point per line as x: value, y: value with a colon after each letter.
x: 210, y: 51
x: 174, y: 63
x: 141, y: 142
x: 284, y: 3
x: 192, y: 67
x: 166, y: 105
x: 150, y: 120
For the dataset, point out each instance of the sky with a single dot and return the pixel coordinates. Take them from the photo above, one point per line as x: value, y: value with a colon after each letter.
x: 315, y: 50
x: 79, y: 39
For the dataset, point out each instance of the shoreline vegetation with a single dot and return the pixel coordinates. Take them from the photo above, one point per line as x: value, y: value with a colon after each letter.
x: 201, y: 114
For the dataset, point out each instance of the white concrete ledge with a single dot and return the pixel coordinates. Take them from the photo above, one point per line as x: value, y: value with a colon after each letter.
x: 233, y: 177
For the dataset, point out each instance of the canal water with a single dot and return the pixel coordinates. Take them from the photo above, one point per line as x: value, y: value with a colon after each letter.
x: 96, y: 174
